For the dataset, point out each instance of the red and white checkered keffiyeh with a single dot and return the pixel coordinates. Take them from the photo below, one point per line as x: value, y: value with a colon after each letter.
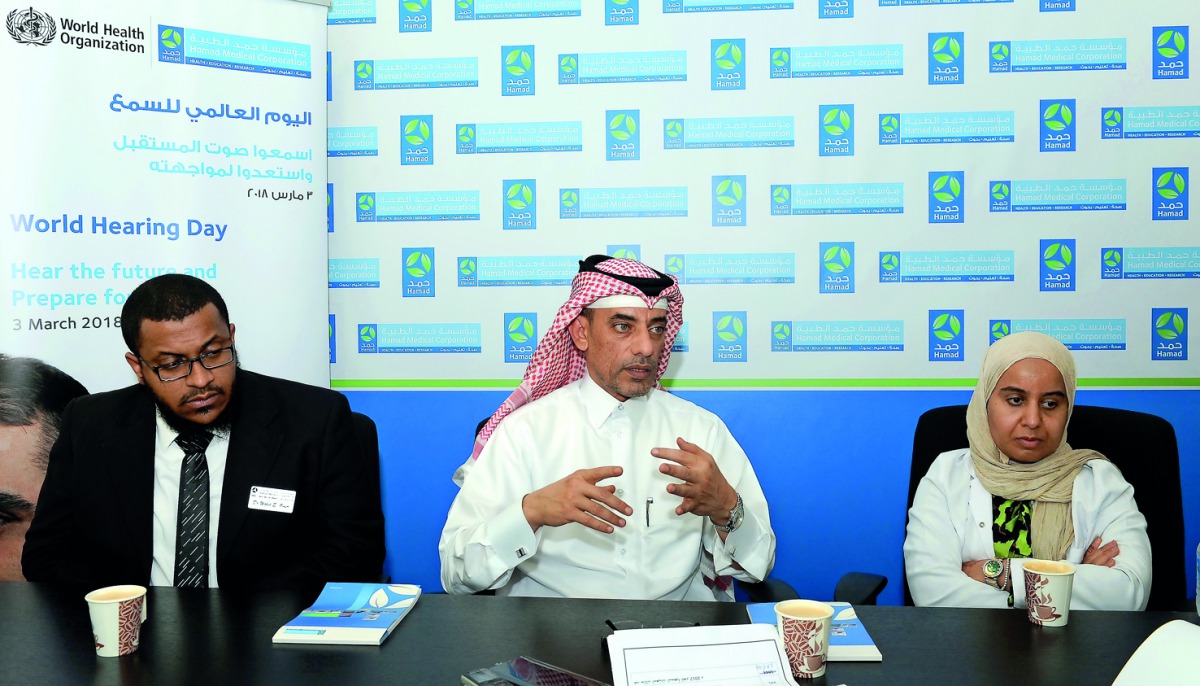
x: 557, y: 362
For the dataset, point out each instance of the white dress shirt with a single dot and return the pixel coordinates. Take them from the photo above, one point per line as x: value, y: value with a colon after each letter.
x: 168, y: 464
x: 488, y: 543
x: 951, y: 523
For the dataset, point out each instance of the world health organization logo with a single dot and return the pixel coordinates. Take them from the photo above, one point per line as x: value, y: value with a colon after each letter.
x: 31, y: 27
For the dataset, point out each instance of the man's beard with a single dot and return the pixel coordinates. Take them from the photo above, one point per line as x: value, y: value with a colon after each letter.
x: 219, y: 426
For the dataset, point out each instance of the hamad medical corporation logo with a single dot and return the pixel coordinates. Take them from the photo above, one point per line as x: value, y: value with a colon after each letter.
x: 31, y: 27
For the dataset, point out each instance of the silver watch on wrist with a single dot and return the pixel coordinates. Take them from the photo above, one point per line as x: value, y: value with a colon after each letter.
x: 735, y: 517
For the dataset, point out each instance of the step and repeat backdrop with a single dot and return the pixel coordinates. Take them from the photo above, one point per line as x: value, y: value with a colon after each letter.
x: 148, y: 137
x: 857, y: 195
x: 852, y: 192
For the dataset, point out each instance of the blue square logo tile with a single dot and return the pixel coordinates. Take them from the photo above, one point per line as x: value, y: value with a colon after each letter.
x: 1112, y: 123
x: 1169, y: 333
x: 1170, y: 53
x: 519, y: 204
x: 727, y: 64
x: 419, y: 278
x: 836, y: 267
x: 568, y: 203
x: 1170, y: 195
x: 415, y: 16
x: 946, y: 58
x: 621, y: 12
x: 1112, y: 263
x: 1000, y: 196
x: 729, y: 336
x: 520, y: 336
x: 568, y: 69
x: 468, y: 272
x: 676, y: 265
x: 1057, y: 125
x: 946, y: 200
x: 368, y: 338
x: 729, y: 200
x: 623, y: 135
x: 998, y: 328
x: 835, y: 131
x: 517, y: 75
x: 889, y: 267
x: 416, y: 139
x: 946, y: 336
x: 835, y: 9
x: 781, y: 337
x: 364, y: 75
x: 364, y: 207
x: 889, y: 128
x: 999, y: 57
x: 1056, y: 268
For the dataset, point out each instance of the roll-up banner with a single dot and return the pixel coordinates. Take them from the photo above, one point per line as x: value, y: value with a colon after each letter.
x: 151, y: 137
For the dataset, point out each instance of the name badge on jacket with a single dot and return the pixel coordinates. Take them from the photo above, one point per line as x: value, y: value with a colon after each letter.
x: 271, y: 499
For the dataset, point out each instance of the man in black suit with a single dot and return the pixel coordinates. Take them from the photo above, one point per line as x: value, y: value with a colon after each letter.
x: 202, y: 473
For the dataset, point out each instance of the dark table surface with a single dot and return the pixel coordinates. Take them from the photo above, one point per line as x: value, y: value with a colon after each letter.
x: 220, y: 637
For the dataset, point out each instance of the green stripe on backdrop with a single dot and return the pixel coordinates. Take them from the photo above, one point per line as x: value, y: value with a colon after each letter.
x: 774, y: 384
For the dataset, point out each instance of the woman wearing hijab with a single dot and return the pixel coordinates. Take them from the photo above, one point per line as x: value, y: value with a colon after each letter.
x: 1021, y: 491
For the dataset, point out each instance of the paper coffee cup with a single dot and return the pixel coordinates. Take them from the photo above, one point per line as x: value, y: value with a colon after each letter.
x: 804, y: 627
x: 117, y: 614
x: 1048, y: 591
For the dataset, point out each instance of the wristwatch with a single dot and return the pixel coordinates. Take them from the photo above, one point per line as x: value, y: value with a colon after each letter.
x: 735, y: 517
x: 992, y: 569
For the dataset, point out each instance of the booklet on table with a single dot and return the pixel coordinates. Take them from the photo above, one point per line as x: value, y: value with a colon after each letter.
x: 351, y: 614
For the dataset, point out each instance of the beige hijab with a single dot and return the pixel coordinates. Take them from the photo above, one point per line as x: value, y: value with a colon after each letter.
x: 1048, y: 481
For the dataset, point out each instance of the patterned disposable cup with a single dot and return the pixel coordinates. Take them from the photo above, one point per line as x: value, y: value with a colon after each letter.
x: 117, y: 614
x: 1048, y: 591
x: 804, y: 627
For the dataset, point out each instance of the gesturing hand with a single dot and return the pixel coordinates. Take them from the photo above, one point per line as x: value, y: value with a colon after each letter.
x: 1103, y: 555
x: 577, y: 498
x: 705, y: 491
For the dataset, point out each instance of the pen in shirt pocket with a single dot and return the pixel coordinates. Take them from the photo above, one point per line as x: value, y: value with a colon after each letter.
x: 649, y: 502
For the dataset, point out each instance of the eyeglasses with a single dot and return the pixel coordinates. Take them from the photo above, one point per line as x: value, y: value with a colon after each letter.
x: 179, y: 369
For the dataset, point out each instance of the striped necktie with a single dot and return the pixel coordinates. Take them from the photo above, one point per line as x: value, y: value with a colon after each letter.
x: 191, y: 535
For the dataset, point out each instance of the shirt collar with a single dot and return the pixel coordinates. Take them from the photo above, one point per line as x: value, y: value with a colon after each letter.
x: 599, y: 404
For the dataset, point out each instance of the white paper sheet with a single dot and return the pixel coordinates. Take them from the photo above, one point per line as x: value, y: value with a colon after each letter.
x: 736, y: 655
x: 1171, y: 655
